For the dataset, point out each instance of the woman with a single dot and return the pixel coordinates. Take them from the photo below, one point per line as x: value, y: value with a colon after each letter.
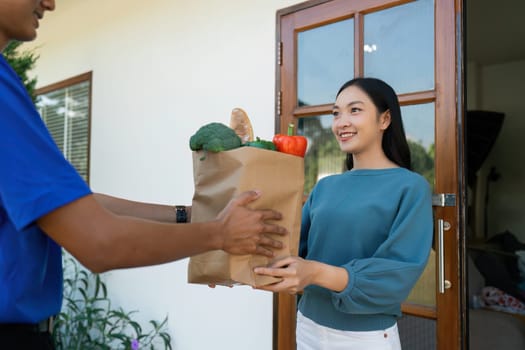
x: 365, y: 234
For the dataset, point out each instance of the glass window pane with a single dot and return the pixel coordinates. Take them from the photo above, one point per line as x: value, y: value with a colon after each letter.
x: 325, y: 60
x: 399, y: 46
x: 66, y: 114
x: 424, y: 292
x: 418, y: 121
x: 323, y: 157
x: 50, y: 107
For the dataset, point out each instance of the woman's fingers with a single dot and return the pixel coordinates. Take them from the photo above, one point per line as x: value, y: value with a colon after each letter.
x: 285, y: 262
x: 267, y: 271
x: 278, y: 269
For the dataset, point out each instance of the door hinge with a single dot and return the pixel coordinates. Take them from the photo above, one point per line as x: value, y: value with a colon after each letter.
x: 444, y: 200
x: 279, y: 53
x: 279, y: 102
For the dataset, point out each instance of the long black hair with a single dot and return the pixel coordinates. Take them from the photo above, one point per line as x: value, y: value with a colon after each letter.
x: 394, y: 141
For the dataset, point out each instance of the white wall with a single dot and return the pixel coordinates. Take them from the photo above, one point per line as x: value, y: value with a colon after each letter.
x: 499, y: 88
x: 161, y: 69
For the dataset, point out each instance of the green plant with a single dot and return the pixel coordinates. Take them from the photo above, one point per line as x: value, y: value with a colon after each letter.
x: 22, y: 62
x: 88, y: 321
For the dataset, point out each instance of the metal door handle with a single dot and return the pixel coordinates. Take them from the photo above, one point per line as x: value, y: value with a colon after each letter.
x: 441, y: 257
x: 443, y: 283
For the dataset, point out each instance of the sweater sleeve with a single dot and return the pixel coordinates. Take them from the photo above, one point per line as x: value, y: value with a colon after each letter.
x: 385, y: 279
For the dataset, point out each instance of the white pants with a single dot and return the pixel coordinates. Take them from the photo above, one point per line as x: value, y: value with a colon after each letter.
x: 312, y: 336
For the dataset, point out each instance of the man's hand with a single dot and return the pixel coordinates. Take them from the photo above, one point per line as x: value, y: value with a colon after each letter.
x: 245, y: 230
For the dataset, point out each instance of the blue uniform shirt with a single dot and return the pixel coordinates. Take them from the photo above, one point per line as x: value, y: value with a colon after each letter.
x: 35, y: 179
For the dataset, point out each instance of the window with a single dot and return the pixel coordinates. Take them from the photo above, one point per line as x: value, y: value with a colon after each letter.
x: 65, y: 107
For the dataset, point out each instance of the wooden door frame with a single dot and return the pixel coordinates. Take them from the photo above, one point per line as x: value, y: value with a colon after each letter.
x: 450, y: 178
x: 284, y: 304
x: 449, y: 170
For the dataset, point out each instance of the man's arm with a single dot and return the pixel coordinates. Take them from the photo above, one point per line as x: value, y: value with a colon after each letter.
x: 102, y: 241
x: 156, y: 212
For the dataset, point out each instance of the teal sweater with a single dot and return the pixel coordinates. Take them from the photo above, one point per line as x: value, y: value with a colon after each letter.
x: 377, y: 224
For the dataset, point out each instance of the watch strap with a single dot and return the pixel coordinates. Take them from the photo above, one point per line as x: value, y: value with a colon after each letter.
x: 181, y: 214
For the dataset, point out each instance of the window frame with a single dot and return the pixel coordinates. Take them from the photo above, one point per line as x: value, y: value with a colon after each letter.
x: 66, y: 83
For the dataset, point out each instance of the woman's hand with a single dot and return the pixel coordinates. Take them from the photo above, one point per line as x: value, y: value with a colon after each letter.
x: 295, y: 272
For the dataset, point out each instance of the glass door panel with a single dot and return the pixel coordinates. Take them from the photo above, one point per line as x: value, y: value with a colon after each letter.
x: 399, y: 46
x: 323, y: 157
x: 424, y: 292
x: 325, y: 60
x: 418, y: 121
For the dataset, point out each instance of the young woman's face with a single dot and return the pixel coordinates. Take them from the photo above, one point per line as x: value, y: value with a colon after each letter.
x: 356, y: 124
x: 19, y: 19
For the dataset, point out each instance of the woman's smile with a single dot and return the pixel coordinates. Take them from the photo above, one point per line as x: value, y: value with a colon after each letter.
x: 346, y: 135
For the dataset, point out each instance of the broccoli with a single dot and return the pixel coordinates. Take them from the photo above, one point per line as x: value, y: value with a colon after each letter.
x: 215, y: 137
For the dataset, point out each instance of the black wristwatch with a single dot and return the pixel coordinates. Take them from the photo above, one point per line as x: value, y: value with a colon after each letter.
x: 181, y: 214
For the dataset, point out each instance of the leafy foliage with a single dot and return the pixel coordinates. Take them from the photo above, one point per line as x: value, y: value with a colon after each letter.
x: 423, y: 160
x: 88, y: 321
x: 325, y: 156
x: 22, y: 62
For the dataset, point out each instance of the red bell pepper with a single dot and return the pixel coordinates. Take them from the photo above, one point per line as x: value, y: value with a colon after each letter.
x: 290, y: 143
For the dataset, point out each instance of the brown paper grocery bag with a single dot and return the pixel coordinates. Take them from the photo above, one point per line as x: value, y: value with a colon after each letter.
x: 218, y: 178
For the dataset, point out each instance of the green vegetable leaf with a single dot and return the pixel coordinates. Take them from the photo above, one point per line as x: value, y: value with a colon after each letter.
x: 259, y: 143
x: 215, y: 137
